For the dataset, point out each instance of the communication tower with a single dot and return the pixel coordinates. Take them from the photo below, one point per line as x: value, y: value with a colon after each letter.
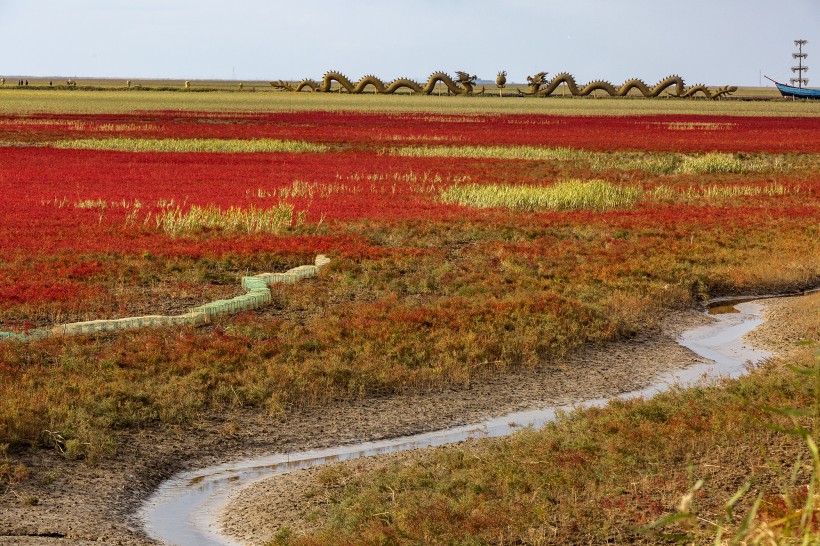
x: 800, y: 68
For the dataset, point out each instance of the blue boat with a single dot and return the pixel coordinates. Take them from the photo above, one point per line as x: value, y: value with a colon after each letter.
x: 796, y: 92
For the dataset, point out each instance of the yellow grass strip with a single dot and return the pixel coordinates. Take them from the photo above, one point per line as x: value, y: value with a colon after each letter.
x: 532, y: 153
x: 656, y: 163
x: 191, y: 145
x: 232, y: 221
x: 670, y: 194
x: 20, y: 101
x: 714, y: 163
x: 565, y: 195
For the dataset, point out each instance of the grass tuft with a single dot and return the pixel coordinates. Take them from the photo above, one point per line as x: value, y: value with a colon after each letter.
x: 533, y: 153
x: 655, y: 163
x: 196, y: 219
x: 713, y: 164
x: 714, y: 191
x: 594, y: 195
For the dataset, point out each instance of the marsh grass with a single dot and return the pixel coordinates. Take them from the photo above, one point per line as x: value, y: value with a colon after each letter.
x: 696, y: 126
x: 88, y: 204
x: 790, y: 517
x: 655, y: 163
x: 714, y: 192
x: 19, y: 101
x: 191, y: 145
x: 638, y: 471
x: 84, y: 127
x: 661, y: 164
x: 594, y: 195
x: 714, y: 163
x: 422, y: 182
x: 533, y: 153
x: 232, y: 221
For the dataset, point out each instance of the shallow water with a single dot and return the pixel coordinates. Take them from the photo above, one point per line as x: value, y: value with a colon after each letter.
x: 184, y: 509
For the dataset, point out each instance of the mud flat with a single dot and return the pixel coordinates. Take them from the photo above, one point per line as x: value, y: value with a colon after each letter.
x: 77, y: 503
x: 255, y: 500
x: 260, y: 507
x: 255, y: 512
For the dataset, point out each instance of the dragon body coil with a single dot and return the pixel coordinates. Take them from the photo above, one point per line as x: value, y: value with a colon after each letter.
x: 539, y: 86
x: 461, y: 86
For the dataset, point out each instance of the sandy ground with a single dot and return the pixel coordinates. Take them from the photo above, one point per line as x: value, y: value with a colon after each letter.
x: 70, y: 502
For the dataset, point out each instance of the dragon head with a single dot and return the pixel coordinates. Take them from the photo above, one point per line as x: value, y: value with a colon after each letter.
x: 464, y: 78
x: 538, y: 79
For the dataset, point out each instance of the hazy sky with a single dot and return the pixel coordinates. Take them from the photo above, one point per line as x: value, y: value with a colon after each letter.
x: 717, y: 42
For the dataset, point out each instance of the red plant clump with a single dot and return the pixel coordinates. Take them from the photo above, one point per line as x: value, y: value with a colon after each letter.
x: 44, y: 184
x: 681, y: 133
x: 64, y: 211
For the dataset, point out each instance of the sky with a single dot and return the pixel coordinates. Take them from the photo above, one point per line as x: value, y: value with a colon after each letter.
x: 716, y: 42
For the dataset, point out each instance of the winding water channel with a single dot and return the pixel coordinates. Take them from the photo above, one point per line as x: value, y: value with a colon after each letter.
x: 184, y: 509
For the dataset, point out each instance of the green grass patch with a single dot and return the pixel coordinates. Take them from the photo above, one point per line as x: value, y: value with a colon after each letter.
x: 191, y: 145
x: 565, y: 195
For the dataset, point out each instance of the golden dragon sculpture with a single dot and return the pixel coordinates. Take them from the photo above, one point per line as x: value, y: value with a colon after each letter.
x: 542, y: 87
x: 463, y: 85
x: 539, y: 86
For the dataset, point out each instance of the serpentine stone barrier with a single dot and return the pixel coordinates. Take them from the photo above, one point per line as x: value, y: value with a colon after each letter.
x: 257, y: 294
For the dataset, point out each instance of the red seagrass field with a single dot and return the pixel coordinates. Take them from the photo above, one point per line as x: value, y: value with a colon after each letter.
x: 464, y: 242
x: 452, y: 250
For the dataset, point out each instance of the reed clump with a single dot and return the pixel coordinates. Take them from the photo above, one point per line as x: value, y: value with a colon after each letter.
x: 714, y: 191
x: 714, y: 163
x: 233, y: 221
x: 596, y: 195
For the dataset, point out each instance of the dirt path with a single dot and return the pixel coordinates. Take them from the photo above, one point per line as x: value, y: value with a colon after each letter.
x: 67, y: 502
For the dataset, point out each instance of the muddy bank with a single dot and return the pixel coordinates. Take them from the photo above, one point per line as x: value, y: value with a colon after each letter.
x: 70, y: 502
x: 778, y: 334
x: 295, y: 500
